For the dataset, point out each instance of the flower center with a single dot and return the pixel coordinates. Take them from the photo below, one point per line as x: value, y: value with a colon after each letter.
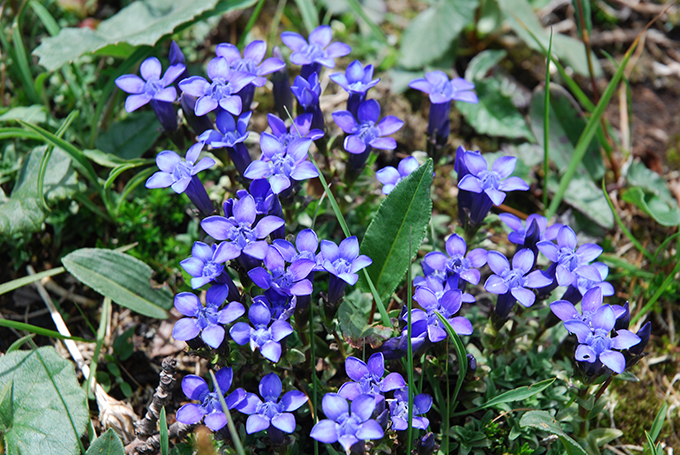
x: 490, y: 180
x: 284, y: 279
x: 342, y: 266
x: 207, y: 316
x: 599, y: 341
x: 242, y: 235
x: 348, y: 425
x: 152, y: 87
x: 399, y: 409
x: 212, y: 269
x: 514, y: 278
x: 261, y: 336
x: 314, y: 52
x: 568, y: 258
x: 443, y: 87
x: 218, y: 89
x: 369, y: 385
x: 181, y: 171
x: 458, y: 264
x: 210, y: 403
x: 368, y: 132
x: 246, y: 66
x: 283, y: 164
x: 269, y: 409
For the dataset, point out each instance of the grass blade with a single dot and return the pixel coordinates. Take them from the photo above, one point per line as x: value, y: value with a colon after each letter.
x: 546, y: 124
x: 39, y: 330
x: 251, y: 22
x: 520, y: 393
x: 230, y: 422
x: 359, y: 11
x: 409, y: 356
x: 21, y: 59
x: 101, y: 334
x: 163, y: 427
x: 657, y: 294
x: 19, y: 282
x: 658, y: 422
x: 460, y: 353
x: 48, y: 153
x: 310, y: 15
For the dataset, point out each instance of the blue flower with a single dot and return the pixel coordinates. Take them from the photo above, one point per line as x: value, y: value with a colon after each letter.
x: 367, y: 132
x: 591, y: 303
x: 271, y: 414
x: 569, y: 262
x: 307, y: 91
x: 345, y: 427
x: 356, y: 81
x: 231, y: 135
x: 280, y: 163
x: 262, y: 336
x: 152, y: 87
x: 177, y: 173
x: 342, y: 263
x: 206, y: 320
x: 195, y: 388
x: 207, y: 262
x: 241, y: 231
x: 281, y: 306
x: 495, y: 182
x: 251, y: 63
x: 512, y: 284
x: 306, y: 246
x: 318, y: 51
x: 390, y: 176
x: 301, y: 127
x: 447, y: 305
x: 458, y: 265
x: 596, y: 342
x: 220, y: 92
x: 399, y: 410
x: 291, y: 280
x: 575, y: 291
x: 368, y: 379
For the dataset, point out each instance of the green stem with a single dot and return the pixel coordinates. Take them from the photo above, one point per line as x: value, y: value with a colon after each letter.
x: 230, y: 422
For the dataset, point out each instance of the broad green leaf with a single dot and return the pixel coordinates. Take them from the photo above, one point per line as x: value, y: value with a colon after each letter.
x: 104, y: 159
x: 585, y: 196
x: 387, y: 239
x: 431, y: 33
x: 654, y: 206
x: 601, y: 436
x: 482, y: 63
x: 49, y: 407
x: 107, y: 444
x: 23, y: 211
x: 132, y: 137
x: 639, y: 175
x: 32, y: 114
x: 542, y: 420
x: 494, y: 114
x: 566, y: 126
x: 6, y: 407
x: 353, y: 315
x: 140, y: 23
x: 519, y: 14
x: 122, y: 278
x: 520, y: 393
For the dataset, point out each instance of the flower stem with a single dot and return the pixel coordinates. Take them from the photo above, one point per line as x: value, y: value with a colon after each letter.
x: 230, y: 422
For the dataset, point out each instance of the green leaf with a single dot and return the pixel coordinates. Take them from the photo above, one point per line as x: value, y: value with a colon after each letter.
x: 520, y: 393
x: 140, y: 23
x: 585, y: 196
x: 23, y: 211
x: 519, y: 14
x: 132, y: 137
x: 542, y: 420
x: 122, y: 278
x: 482, y: 63
x: 566, y: 126
x: 654, y: 206
x: 309, y: 14
x: 431, y: 33
x: 353, y: 317
x: 601, y: 436
x: 658, y: 423
x: 49, y: 406
x: 387, y: 239
x: 494, y: 114
x: 163, y: 427
x: 32, y: 114
x: 6, y: 407
x: 107, y: 444
x: 639, y: 175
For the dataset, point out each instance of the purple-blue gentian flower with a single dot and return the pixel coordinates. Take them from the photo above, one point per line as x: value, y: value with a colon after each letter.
x: 596, y: 342
x: 207, y: 320
x: 447, y: 305
x: 281, y: 306
x: 291, y: 280
x: 397, y: 347
x: 306, y: 245
x: 511, y: 283
x: 307, y: 91
x: 318, y: 51
x: 152, y: 86
x: 231, y: 135
x: 442, y: 91
x: 176, y: 172
x: 368, y: 378
x: 271, y: 414
x: 576, y: 290
x: 356, y: 81
x: 301, y: 128
x: 207, y: 262
x: 457, y: 265
x: 591, y: 303
x: 644, y: 333
x: 226, y: 83
x: 390, y: 176
x: 195, y: 388
x: 535, y: 230
x: 438, y: 286
x: 399, y: 410
x: 493, y: 183
x: 240, y: 230
x: 570, y: 263
x: 345, y: 427
x: 263, y: 336
x: 342, y: 262
x: 252, y: 64
x: 280, y: 163
x: 367, y: 133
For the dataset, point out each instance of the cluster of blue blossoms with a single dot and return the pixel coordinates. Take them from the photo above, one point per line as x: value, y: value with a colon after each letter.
x: 249, y: 238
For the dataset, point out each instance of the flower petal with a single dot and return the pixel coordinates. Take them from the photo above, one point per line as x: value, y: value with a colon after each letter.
x: 325, y: 431
x: 284, y: 422
x: 270, y: 387
x: 194, y: 387
x: 189, y: 414
x: 256, y: 423
x: 293, y: 400
x: 185, y: 329
x: 334, y: 405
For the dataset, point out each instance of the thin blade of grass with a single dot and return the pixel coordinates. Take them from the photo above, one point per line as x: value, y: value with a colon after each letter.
x: 588, y: 133
x: 657, y: 294
x: 21, y: 59
x: 163, y: 427
x: 658, y: 422
x: 19, y: 282
x: 249, y: 25
x: 359, y: 11
x: 310, y: 15
x: 48, y: 154
x: 663, y: 246
x: 623, y: 228
x: 45, y: 17
x: 14, y: 133
x: 230, y: 422
x: 39, y: 330
x: 101, y: 334
x: 546, y: 124
x: 18, y: 343
x: 312, y: 347
x: 409, y: 346
x: 462, y: 358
